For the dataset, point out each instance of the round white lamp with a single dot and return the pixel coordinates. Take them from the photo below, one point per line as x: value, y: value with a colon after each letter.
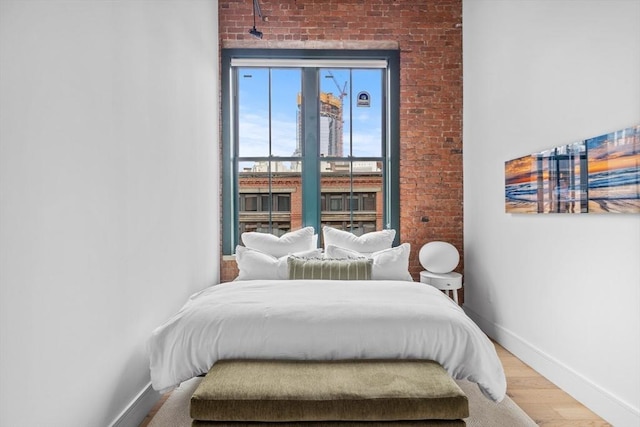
x: 439, y: 260
x: 439, y: 257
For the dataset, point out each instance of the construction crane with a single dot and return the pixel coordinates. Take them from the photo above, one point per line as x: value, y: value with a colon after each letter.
x: 341, y: 92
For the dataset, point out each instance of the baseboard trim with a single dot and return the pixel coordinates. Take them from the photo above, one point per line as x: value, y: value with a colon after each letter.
x: 138, y: 409
x: 590, y: 394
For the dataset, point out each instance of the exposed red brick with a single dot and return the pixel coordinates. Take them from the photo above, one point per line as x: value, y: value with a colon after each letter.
x: 430, y: 38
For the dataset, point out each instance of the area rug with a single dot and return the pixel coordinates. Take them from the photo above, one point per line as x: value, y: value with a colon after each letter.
x: 484, y: 413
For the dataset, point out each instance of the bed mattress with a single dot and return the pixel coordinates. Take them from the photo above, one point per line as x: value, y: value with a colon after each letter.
x: 322, y: 320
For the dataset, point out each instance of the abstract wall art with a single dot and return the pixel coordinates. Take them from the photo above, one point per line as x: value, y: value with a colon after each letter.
x: 596, y: 175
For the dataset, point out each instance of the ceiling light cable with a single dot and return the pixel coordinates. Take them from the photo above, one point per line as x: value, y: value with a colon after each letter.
x: 254, y: 32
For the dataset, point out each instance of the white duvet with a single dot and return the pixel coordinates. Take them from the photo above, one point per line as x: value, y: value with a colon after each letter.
x: 322, y: 320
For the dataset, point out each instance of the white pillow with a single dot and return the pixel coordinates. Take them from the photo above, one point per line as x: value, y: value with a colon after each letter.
x: 365, y: 244
x: 256, y: 265
x: 388, y: 264
x: 294, y: 241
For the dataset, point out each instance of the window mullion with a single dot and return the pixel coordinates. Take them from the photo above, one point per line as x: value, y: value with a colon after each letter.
x: 310, y: 152
x: 350, y: 145
x: 307, y: 152
x: 229, y: 165
x: 270, y: 158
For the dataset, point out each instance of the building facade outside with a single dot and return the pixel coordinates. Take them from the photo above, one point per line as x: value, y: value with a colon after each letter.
x: 270, y: 198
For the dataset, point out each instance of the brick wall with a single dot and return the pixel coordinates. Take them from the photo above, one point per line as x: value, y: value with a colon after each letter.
x: 429, y: 35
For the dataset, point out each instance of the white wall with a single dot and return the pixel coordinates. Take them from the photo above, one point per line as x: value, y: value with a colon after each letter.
x: 109, y: 195
x: 561, y: 291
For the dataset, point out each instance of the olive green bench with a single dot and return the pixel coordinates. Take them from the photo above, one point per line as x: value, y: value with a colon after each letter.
x: 353, y: 392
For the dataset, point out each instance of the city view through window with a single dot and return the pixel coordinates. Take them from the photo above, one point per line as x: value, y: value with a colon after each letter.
x: 272, y: 139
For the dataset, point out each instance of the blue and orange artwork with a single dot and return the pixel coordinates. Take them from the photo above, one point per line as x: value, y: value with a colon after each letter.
x: 596, y: 175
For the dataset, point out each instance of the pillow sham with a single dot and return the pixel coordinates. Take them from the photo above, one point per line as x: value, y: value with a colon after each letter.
x: 388, y: 264
x: 256, y: 265
x: 293, y: 241
x: 365, y: 244
x: 329, y: 269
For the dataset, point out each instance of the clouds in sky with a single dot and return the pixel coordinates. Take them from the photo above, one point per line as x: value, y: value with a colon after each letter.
x: 259, y: 90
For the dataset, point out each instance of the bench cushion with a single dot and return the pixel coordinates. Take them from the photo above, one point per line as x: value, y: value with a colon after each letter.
x: 421, y: 423
x: 354, y: 390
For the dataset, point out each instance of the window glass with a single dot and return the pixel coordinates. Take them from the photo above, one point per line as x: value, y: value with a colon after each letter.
x: 285, y: 92
x: 350, y: 131
x: 250, y: 203
x: 334, y: 118
x: 253, y: 112
x: 268, y: 112
x: 354, y: 204
x: 335, y: 203
x: 369, y: 202
x: 366, y: 118
x: 306, y: 145
x: 284, y: 203
x: 265, y: 203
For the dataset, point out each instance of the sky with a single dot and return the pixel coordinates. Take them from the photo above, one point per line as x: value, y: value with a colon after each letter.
x: 363, y: 125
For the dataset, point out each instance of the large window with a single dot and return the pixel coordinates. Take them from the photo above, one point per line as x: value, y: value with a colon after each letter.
x: 309, y: 138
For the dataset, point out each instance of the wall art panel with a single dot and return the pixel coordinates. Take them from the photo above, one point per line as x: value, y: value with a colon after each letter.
x: 596, y: 175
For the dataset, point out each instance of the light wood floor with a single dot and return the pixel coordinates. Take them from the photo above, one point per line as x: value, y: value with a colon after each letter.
x: 545, y: 403
x: 153, y: 411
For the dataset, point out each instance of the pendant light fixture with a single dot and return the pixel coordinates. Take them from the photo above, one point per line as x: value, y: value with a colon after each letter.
x: 254, y: 32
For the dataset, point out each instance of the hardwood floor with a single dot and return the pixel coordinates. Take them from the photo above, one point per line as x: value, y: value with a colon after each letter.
x: 545, y: 403
x: 153, y: 410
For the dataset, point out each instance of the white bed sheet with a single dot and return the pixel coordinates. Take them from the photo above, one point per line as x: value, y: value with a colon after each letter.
x: 322, y: 320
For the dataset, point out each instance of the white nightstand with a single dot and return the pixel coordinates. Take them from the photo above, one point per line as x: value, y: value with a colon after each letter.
x: 445, y: 282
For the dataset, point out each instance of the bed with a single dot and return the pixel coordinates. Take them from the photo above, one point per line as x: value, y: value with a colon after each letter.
x: 322, y: 320
x: 353, y: 300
